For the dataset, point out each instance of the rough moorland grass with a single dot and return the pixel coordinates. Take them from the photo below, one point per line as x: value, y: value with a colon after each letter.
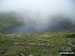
x: 48, y: 43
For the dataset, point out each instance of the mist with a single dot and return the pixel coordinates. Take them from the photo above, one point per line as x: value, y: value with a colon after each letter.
x: 42, y: 14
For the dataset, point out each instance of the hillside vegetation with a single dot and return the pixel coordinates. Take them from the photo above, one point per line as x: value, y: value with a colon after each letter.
x: 8, y: 20
x: 37, y: 44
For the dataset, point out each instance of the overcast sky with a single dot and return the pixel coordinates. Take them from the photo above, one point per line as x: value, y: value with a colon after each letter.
x: 44, y: 8
x: 41, y: 8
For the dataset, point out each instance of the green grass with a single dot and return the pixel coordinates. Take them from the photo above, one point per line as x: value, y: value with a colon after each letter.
x: 53, y: 42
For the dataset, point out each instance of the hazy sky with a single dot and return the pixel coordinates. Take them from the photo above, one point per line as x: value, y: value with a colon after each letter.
x: 41, y: 8
x: 44, y: 6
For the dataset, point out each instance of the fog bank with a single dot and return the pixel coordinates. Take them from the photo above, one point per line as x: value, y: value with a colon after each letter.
x: 42, y: 13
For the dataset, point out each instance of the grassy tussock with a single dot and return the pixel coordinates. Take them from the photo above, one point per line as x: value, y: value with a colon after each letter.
x: 37, y: 44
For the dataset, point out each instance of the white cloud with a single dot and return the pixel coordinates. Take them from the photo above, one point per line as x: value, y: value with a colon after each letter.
x: 41, y: 8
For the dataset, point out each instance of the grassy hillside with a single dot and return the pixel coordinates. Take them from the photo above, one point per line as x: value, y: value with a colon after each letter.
x: 38, y: 44
x: 9, y: 20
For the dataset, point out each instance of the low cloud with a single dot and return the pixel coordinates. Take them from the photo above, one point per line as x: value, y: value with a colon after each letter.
x: 41, y: 13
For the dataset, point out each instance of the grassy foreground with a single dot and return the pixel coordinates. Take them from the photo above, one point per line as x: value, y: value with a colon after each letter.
x: 37, y: 44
